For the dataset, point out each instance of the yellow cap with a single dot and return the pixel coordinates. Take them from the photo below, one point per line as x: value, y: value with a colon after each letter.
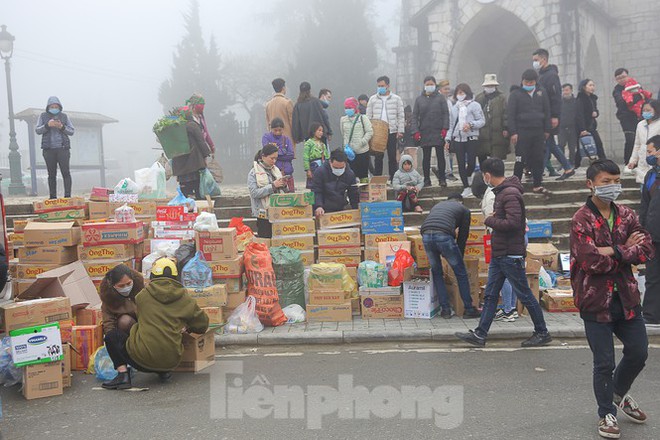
x: 159, y: 266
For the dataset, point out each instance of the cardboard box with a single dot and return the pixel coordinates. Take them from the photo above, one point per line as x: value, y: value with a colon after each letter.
x: 36, y: 312
x: 123, y: 198
x: 13, y: 268
x: 346, y: 260
x: 286, y: 200
x: 455, y: 297
x: 474, y: 251
x: 333, y: 252
x: 308, y: 257
x: 17, y: 239
x: 326, y: 277
x: 66, y: 331
x: 36, y: 345
x: 295, y: 227
x: 298, y: 242
x: 371, y: 254
x: 382, y: 306
x: 386, y: 209
x: 66, y: 366
x: 64, y: 215
x: 48, y: 254
x: 98, y: 268
x: 227, y: 268
x: 203, y: 206
x: 557, y: 300
x: 100, y: 194
x: 108, y: 252
x: 326, y: 296
x: 213, y: 296
x: 52, y: 234
x: 19, y: 224
x: 86, y: 339
x: 198, y: 352
x: 339, y: 237
x: 546, y: 253
x: 330, y: 312
x: 289, y: 213
x: 382, y: 225
x: 476, y: 235
x: 477, y: 219
x: 69, y: 281
x: 419, y: 252
x: 355, y: 305
x: 62, y: 203
x: 217, y: 245
x: 340, y: 219
x: 420, y: 300
x: 20, y: 286
x: 95, y: 234
x: 235, y: 299
x: 387, y: 250
x: 89, y: 316
x: 533, y: 281
x: 372, y: 240
x: 539, y: 229
x: 98, y: 210
x: 214, y: 314
x: 532, y: 266
x: 42, y: 380
x: 142, y: 209
x: 374, y: 191
x: 172, y: 213
x: 232, y: 285
x: 30, y: 271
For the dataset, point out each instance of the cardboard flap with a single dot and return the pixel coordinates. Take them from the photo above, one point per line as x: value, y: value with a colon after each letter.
x: 71, y: 281
x: 45, y: 226
x: 379, y: 180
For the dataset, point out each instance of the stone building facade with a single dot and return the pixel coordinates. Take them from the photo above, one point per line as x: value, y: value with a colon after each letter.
x: 461, y: 40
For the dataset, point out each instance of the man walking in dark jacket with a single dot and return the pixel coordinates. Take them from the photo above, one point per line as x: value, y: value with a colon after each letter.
x: 649, y: 217
x: 508, y: 256
x: 627, y: 118
x: 567, y: 128
x: 439, y: 237
x: 332, y: 183
x: 606, y: 241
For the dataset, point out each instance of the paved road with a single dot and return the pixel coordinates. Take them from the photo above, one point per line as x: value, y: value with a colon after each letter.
x: 500, y: 393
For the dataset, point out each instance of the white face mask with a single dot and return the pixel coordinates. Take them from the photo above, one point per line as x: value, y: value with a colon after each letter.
x: 460, y: 98
x: 490, y: 90
x: 124, y: 291
x: 536, y: 65
x: 338, y: 171
x: 429, y: 89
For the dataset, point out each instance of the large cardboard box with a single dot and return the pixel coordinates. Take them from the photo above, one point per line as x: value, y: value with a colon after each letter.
x: 30, y: 271
x: 374, y: 191
x: 63, y: 215
x: 348, y: 237
x: 387, y: 250
x: 100, y: 194
x: 38, y: 344
x: 217, y: 245
x: 289, y: 213
x: 19, y: 286
x: 326, y: 296
x: 198, y: 352
x: 557, y: 300
x: 109, y: 252
x: 340, y: 219
x: 300, y: 199
x: 235, y: 299
x: 35, y: 312
x: 330, y: 312
x: 173, y: 230
x: 86, y: 339
x: 95, y: 234
x: 227, y: 268
x: 42, y: 380
x: 371, y: 254
x: 420, y: 300
x: 99, y: 268
x: 455, y: 297
x: 532, y: 266
x: 294, y: 227
x: 214, y: 314
x: 546, y: 253
x: 382, y: 306
x: 323, y: 277
x: 48, y: 254
x: 58, y: 204
x: 298, y: 242
x: 382, y: 225
x: 51, y: 234
x: 213, y: 296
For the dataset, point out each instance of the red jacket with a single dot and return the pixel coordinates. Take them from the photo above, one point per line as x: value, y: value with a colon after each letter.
x: 635, y: 101
x: 593, y: 275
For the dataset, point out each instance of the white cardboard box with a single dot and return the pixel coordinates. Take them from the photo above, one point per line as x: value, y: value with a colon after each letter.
x: 419, y: 299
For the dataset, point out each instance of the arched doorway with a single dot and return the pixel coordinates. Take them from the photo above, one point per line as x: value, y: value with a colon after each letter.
x: 494, y: 41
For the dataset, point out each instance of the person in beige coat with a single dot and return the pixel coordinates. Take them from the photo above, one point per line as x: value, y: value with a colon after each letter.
x: 279, y: 106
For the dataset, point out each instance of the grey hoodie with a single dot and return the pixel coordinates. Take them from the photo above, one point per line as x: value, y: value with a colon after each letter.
x: 403, y: 179
x: 54, y: 137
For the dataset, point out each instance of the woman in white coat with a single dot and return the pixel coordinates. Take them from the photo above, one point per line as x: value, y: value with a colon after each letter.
x: 646, y: 129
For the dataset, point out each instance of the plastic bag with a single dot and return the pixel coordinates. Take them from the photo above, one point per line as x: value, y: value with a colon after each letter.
x: 545, y: 281
x: 290, y: 275
x: 103, y: 367
x: 167, y: 166
x: 294, y: 313
x: 197, y: 274
x: 215, y: 169
x: 183, y: 254
x: 323, y: 273
x: 181, y: 200
x: 126, y: 186
x: 402, y: 261
x: 262, y: 284
x: 244, y: 318
x: 244, y: 234
x: 169, y: 251
x: 206, y: 222
x: 372, y: 274
x: 350, y: 154
x: 151, y: 181
x: 125, y: 214
x: 207, y: 185
x: 9, y: 374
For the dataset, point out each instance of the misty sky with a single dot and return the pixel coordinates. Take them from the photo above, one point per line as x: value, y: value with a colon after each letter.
x: 111, y: 57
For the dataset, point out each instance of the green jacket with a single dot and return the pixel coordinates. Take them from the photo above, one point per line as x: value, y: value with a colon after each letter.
x: 491, y: 139
x: 361, y: 135
x: 314, y: 151
x: 164, y: 308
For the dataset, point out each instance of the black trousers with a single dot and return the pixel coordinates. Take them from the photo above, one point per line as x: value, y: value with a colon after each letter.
x: 466, y: 155
x: 360, y: 166
x: 189, y: 184
x: 426, y: 161
x: 530, y: 153
x: 392, y: 165
x: 53, y: 158
x: 568, y: 136
x: 115, y: 343
x: 629, y: 144
x: 651, y: 303
x: 264, y: 228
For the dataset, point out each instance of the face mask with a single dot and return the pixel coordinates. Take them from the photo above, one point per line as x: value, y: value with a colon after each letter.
x: 199, y: 108
x: 652, y: 160
x: 325, y: 103
x: 528, y: 88
x: 489, y: 184
x: 338, y: 171
x: 124, y: 291
x: 647, y: 115
x: 536, y: 65
x: 460, y: 98
x: 608, y: 193
x: 382, y: 90
x: 349, y: 112
x: 429, y: 89
x: 490, y: 90
x: 54, y: 111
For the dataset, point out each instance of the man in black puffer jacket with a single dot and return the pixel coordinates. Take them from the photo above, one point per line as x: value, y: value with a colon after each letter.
x: 332, y: 183
x: 508, y: 256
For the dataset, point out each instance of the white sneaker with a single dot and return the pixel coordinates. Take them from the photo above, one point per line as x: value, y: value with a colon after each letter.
x: 467, y: 193
x: 470, y: 180
x: 627, y: 170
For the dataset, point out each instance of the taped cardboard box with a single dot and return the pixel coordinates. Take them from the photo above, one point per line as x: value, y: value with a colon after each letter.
x: 86, y: 340
x: 214, y: 314
x: 476, y: 235
x: 213, y: 296
x: 48, y: 254
x: 289, y: 213
x: 382, y: 306
x: 374, y: 191
x: 43, y: 380
x: 558, y: 300
x: 217, y: 245
x: 98, y: 210
x: 348, y: 237
x: 455, y: 297
x: 62, y: 203
x: 330, y: 312
x: 95, y: 234
x: 298, y: 242
x: 474, y: 251
x: 477, y: 219
x: 100, y: 194
x: 546, y: 253
x: 233, y: 301
x: 326, y: 276
x: 198, y: 352
x: 51, y: 234
x: 174, y: 214
x: 64, y: 215
x: 340, y: 219
x: 298, y: 199
x: 539, y: 229
x: 295, y: 227
x: 371, y: 254
x: 109, y: 252
x: 227, y: 268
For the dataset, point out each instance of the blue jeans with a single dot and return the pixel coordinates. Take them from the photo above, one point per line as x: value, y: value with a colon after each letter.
x: 508, y: 298
x: 512, y: 269
x: 436, y: 245
x: 552, y: 148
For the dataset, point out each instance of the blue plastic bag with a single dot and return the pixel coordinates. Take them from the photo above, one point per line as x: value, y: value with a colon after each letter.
x: 181, y: 200
x: 350, y: 154
x: 103, y: 366
x: 197, y: 274
x: 207, y: 184
x: 9, y: 374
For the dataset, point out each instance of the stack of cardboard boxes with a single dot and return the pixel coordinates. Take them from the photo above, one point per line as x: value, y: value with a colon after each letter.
x: 293, y: 223
x: 62, y: 209
x: 327, y: 299
x: 341, y: 246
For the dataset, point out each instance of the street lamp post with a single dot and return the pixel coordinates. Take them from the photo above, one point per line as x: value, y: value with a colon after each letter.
x: 16, y: 186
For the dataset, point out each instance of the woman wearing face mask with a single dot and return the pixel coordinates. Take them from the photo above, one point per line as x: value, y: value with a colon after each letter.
x: 263, y: 180
x: 648, y: 127
x: 117, y: 292
x: 586, y: 117
x: 356, y: 131
x: 467, y: 118
x: 285, y: 153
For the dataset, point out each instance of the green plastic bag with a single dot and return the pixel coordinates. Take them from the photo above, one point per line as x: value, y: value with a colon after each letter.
x: 207, y: 184
x: 289, y: 275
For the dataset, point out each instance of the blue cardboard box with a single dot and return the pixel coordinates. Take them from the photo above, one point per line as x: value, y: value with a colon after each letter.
x: 381, y: 209
x: 382, y: 225
x: 539, y: 229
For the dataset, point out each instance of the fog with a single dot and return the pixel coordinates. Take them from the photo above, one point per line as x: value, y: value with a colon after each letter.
x: 112, y: 57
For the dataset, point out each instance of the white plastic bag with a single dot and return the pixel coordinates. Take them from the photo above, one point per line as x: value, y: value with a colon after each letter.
x: 206, y: 221
x: 151, y: 181
x: 294, y: 313
x: 545, y: 281
x: 126, y: 186
x: 244, y: 318
x: 125, y: 214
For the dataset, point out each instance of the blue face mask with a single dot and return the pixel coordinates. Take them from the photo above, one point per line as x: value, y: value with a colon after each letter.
x: 528, y: 88
x: 54, y: 111
x: 349, y: 112
x: 652, y: 160
x: 647, y: 115
x: 382, y: 90
x: 325, y: 103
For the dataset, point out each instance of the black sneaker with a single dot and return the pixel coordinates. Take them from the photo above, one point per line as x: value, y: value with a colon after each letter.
x: 427, y: 183
x: 121, y: 382
x: 165, y: 377
x: 443, y: 184
x: 472, y: 313
x: 537, y: 340
x: 471, y: 338
x: 447, y: 313
x: 451, y: 178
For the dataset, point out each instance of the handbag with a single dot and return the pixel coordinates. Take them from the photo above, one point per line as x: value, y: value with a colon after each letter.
x: 588, y: 147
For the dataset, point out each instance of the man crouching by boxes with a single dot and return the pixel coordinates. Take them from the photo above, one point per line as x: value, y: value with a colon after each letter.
x: 155, y: 341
